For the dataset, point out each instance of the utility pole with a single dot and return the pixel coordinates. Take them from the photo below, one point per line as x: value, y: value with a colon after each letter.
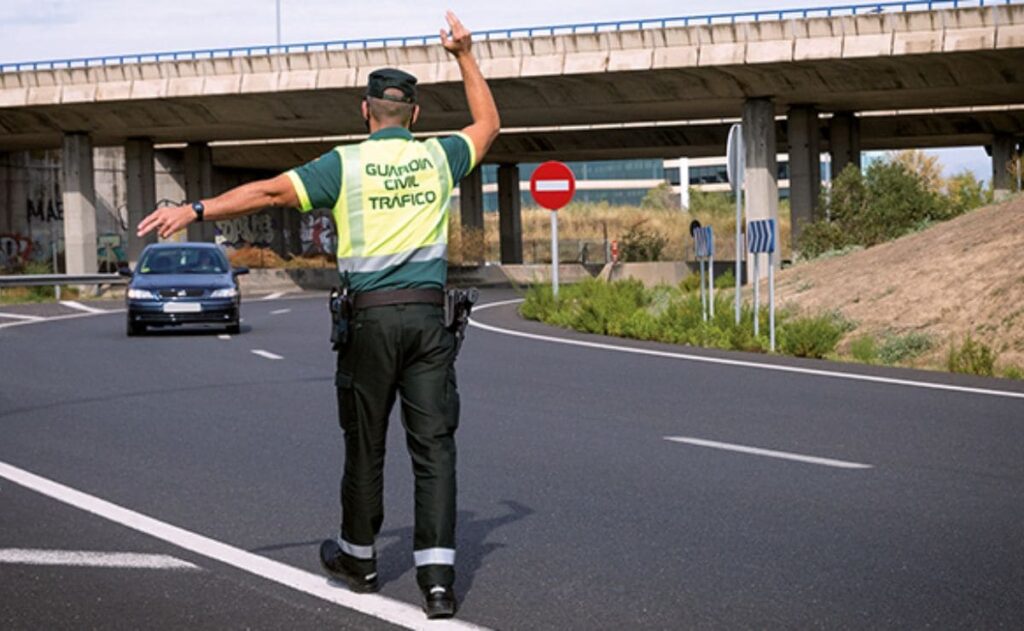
x: 278, y: 2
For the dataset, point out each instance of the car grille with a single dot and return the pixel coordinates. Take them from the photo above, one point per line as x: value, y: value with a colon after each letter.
x: 182, y: 293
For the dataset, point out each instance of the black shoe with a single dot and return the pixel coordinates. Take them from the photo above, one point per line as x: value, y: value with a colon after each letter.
x: 333, y: 561
x: 439, y: 602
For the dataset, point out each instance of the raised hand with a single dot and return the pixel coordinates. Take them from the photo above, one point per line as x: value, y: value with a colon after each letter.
x: 461, y: 40
x: 166, y: 221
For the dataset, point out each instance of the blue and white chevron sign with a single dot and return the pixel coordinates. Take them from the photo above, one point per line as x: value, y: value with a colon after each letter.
x: 704, y: 242
x: 761, y: 236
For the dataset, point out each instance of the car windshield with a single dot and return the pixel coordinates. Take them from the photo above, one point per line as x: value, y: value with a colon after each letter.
x: 183, y: 261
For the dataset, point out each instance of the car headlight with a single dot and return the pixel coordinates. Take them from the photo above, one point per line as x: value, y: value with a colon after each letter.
x: 227, y: 292
x: 140, y: 294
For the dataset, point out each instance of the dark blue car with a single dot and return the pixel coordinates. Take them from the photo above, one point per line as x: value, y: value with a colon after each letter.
x: 183, y: 283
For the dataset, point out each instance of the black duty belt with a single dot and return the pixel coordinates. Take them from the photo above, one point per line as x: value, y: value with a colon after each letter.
x: 398, y: 297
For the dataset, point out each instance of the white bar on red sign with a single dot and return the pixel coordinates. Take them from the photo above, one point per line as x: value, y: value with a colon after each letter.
x: 552, y: 185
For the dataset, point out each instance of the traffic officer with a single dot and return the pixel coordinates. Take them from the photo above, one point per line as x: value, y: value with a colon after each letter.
x: 389, y: 197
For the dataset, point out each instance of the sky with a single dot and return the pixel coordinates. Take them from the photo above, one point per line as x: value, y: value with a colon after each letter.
x: 32, y: 30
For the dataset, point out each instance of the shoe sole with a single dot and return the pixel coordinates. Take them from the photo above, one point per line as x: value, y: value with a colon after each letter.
x: 351, y: 582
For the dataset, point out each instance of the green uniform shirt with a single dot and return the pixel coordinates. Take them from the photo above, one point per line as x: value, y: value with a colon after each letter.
x: 321, y: 184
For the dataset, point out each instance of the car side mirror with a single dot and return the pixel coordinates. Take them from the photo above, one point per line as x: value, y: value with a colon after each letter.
x: 124, y: 271
x: 239, y: 271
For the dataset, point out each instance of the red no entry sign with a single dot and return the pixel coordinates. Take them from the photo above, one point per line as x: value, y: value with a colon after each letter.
x: 552, y: 185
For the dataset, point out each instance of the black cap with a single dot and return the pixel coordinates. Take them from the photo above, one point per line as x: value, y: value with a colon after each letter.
x: 381, y: 80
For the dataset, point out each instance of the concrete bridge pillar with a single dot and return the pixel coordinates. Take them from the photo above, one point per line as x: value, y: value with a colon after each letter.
x: 199, y: 185
x: 510, y: 214
x: 1002, y: 156
x: 804, y: 135
x: 79, y: 197
x: 471, y: 200
x: 844, y: 141
x: 140, y: 174
x: 761, y: 173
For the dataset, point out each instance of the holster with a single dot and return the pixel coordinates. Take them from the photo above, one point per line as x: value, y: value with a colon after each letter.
x: 340, y: 304
x: 458, y: 305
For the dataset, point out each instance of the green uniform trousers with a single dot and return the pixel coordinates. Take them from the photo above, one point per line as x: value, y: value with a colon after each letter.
x: 403, y: 350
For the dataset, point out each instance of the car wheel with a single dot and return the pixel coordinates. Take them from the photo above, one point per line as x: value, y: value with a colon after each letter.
x: 234, y: 328
x: 135, y: 329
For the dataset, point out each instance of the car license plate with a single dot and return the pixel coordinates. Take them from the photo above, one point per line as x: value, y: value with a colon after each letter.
x: 182, y: 307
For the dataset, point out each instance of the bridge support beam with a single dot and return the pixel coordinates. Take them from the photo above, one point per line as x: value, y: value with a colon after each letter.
x: 140, y: 176
x: 79, y: 197
x: 761, y: 173
x: 1002, y: 156
x: 804, y: 137
x: 844, y: 141
x: 471, y: 216
x: 510, y: 215
x: 199, y: 185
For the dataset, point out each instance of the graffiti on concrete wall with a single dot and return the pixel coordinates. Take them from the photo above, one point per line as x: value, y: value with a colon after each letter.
x: 250, y: 230
x: 15, y: 250
x: 110, y: 253
x: 44, y: 210
x: 317, y: 235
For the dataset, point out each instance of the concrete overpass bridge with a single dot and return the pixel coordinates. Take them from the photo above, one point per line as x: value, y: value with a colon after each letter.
x: 803, y: 81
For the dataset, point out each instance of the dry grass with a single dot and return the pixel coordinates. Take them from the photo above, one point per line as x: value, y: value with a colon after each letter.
x: 591, y: 225
x: 258, y: 258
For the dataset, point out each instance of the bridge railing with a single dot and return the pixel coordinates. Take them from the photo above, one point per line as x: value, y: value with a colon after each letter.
x: 510, y: 33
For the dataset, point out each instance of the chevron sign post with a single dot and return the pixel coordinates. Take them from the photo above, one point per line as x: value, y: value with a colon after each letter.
x: 704, y: 248
x: 761, y: 240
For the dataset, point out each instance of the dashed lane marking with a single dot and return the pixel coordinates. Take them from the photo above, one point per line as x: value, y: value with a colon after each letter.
x: 266, y: 354
x: 19, y: 316
x: 736, y: 362
x: 274, y: 296
x: 224, y: 337
x: 769, y: 453
x: 387, y: 609
x: 280, y: 311
x: 77, y: 305
x: 84, y: 558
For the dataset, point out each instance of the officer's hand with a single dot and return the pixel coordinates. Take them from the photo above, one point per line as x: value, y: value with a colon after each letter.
x: 166, y: 221
x: 461, y: 39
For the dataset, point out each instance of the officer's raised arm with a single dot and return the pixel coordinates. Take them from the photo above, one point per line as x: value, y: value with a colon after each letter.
x: 486, y: 122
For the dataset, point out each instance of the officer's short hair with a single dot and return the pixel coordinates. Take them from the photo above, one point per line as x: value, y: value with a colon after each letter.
x: 390, y: 112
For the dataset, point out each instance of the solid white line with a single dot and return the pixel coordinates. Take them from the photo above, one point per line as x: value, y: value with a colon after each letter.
x: 280, y: 311
x: 392, y: 611
x: 70, y: 316
x: 737, y: 362
x: 266, y: 354
x: 18, y: 316
x: 274, y: 296
x: 223, y: 337
x: 83, y: 558
x: 552, y: 186
x: 77, y: 305
x: 757, y: 451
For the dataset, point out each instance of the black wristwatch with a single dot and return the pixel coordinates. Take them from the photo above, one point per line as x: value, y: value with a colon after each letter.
x: 199, y: 209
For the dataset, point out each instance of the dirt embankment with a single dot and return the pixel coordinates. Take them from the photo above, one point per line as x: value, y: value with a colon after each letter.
x: 965, y: 276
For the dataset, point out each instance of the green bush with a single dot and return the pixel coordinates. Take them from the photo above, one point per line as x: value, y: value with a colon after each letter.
x: 692, y: 282
x: 884, y: 203
x: 864, y: 349
x: 901, y: 348
x: 1013, y: 372
x: 815, y: 336
x: 642, y: 245
x: 711, y: 203
x: 971, y: 358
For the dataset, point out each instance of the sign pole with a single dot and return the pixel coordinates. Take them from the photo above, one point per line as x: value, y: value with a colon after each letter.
x: 703, y: 296
x: 735, y: 163
x: 771, y: 302
x: 554, y: 253
x: 757, y: 275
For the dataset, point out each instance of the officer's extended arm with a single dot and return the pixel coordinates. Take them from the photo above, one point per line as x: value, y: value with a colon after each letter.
x: 242, y: 200
x: 486, y: 122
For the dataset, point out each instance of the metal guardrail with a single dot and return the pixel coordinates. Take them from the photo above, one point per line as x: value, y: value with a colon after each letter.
x: 44, y: 280
x: 511, y: 33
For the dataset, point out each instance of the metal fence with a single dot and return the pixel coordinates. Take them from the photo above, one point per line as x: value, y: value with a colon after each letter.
x: 45, y: 280
x: 509, y: 33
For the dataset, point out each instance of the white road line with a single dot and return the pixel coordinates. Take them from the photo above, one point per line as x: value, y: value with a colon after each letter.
x: 274, y: 296
x: 393, y: 611
x: 71, y: 316
x: 736, y: 362
x: 266, y: 354
x: 18, y: 316
x: 77, y: 305
x: 224, y: 337
x: 280, y: 311
x: 83, y: 558
x: 757, y: 451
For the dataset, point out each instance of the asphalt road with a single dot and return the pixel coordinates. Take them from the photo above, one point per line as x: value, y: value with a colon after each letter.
x: 575, y: 511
